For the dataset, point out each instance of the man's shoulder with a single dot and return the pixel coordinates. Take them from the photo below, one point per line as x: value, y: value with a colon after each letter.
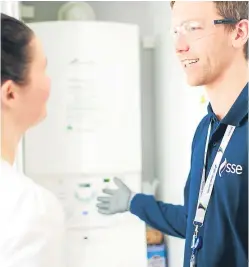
x: 204, y: 123
x: 201, y: 128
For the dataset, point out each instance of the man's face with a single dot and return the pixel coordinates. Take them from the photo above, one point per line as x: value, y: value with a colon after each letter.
x: 204, y: 49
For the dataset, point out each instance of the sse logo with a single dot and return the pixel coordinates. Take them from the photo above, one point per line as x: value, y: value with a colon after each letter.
x: 230, y: 168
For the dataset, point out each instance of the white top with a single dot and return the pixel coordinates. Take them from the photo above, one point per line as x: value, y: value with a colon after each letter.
x: 31, y: 223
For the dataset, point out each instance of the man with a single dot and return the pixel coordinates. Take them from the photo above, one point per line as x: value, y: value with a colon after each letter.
x: 211, y: 43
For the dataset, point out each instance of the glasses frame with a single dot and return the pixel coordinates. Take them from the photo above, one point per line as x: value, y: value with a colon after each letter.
x: 225, y: 21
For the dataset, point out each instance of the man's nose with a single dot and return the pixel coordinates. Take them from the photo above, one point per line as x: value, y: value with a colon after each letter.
x: 181, y: 44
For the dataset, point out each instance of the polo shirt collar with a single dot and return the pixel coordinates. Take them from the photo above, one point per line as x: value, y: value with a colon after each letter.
x: 237, y: 112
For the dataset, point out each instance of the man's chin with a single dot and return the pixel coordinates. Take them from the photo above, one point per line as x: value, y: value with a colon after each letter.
x: 193, y: 82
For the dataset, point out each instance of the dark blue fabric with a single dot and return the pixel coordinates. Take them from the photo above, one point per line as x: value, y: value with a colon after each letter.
x: 225, y: 229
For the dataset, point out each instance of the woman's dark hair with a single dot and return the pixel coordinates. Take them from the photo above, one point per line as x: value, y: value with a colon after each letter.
x: 15, y: 50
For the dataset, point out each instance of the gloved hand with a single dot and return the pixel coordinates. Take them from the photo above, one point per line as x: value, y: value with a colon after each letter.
x: 117, y: 201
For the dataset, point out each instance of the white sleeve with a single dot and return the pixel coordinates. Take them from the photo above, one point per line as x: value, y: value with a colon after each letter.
x: 38, y: 239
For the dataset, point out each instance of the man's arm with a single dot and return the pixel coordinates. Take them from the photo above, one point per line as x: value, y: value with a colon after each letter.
x: 167, y: 218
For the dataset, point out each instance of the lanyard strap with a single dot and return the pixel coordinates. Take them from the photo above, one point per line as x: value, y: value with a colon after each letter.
x: 207, y: 187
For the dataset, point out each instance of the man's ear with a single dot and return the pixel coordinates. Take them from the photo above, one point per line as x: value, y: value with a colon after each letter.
x: 241, y: 33
x: 8, y: 94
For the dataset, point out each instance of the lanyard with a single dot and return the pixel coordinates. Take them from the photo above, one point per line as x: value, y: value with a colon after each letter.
x: 207, y: 187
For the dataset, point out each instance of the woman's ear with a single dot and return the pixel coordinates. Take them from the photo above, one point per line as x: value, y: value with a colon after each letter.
x: 8, y: 94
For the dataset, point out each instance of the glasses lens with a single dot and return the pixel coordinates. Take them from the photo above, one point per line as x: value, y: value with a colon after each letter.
x: 193, y: 30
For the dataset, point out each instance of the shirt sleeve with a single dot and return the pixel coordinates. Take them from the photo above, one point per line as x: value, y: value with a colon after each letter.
x: 167, y: 218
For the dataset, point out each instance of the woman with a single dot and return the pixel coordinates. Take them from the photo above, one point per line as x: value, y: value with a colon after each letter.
x: 32, y: 220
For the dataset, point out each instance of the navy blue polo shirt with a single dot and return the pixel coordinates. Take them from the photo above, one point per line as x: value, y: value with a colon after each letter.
x: 225, y: 228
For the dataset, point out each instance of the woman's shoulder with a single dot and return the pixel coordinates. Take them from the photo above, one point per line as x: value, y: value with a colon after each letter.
x: 32, y: 221
x: 25, y: 199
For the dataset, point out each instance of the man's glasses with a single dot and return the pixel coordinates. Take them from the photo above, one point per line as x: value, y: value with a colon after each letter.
x: 194, y: 30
